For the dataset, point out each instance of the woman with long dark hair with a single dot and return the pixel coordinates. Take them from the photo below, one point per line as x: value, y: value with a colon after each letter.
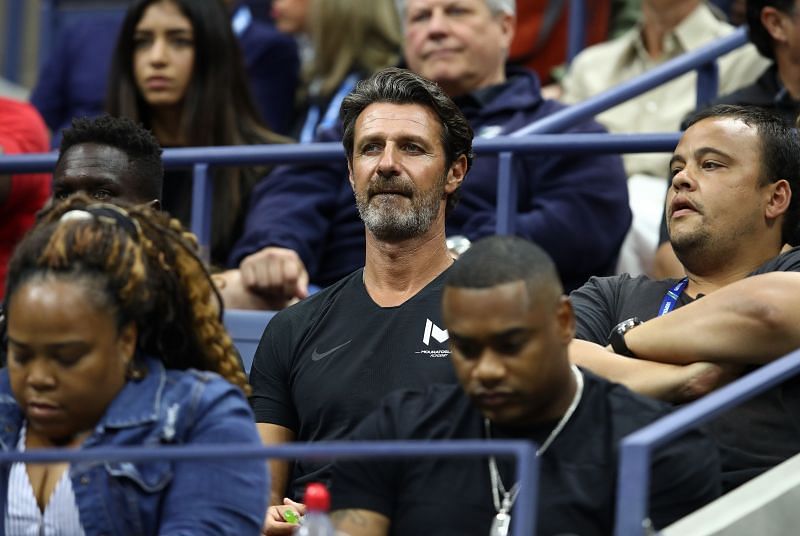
x: 178, y: 70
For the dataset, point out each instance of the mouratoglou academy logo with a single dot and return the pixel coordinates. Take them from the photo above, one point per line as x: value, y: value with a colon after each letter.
x: 432, y: 331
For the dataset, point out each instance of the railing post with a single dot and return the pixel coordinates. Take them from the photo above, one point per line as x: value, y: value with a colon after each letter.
x: 707, y: 83
x: 576, y: 36
x: 528, y: 497
x: 202, y: 195
x: 633, y: 485
x: 506, y: 195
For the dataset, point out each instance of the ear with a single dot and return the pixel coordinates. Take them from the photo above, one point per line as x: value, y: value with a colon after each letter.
x: 565, y: 316
x: 773, y: 21
x: 779, y: 199
x: 508, y: 24
x: 154, y: 204
x: 126, y: 342
x: 456, y: 174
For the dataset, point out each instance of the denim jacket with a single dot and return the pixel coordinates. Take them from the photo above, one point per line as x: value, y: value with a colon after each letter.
x: 172, y: 407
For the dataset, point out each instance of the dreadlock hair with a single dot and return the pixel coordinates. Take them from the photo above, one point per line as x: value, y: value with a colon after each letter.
x: 145, y: 268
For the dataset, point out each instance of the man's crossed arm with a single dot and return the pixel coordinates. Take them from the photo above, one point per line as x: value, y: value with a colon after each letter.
x: 694, y: 349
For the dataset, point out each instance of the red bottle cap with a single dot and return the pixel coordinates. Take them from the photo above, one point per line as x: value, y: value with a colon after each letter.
x: 317, y: 498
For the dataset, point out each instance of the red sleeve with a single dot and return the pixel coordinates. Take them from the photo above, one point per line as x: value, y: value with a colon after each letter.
x: 22, y: 130
x: 542, y: 54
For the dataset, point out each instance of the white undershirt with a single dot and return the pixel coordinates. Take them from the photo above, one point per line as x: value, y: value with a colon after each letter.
x: 23, y: 517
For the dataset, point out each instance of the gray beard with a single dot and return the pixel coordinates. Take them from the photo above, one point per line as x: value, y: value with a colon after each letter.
x: 391, y: 224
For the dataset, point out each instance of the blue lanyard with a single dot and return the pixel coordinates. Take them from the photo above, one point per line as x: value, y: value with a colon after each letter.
x: 313, y: 123
x: 671, y: 297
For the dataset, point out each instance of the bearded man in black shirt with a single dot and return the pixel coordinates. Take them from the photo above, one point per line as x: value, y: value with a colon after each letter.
x: 732, y: 216
x: 326, y: 362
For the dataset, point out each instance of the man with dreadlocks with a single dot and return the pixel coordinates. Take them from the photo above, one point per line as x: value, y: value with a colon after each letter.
x: 115, y: 339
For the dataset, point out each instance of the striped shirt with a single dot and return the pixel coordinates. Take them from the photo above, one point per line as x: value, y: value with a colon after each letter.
x: 23, y: 516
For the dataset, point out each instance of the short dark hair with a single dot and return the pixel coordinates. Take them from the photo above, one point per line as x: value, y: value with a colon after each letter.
x: 401, y: 86
x: 134, y: 140
x: 496, y: 260
x: 759, y: 35
x: 780, y: 153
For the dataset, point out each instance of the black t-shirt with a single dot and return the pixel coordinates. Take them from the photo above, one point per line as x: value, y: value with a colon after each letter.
x: 325, y: 363
x: 577, y: 484
x: 754, y: 436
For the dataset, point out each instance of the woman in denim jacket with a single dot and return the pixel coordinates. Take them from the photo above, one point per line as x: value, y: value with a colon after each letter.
x: 115, y: 339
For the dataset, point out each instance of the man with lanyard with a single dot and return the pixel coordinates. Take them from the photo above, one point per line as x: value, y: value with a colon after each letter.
x: 730, y: 213
x: 772, y: 25
x: 302, y: 225
x: 510, y: 327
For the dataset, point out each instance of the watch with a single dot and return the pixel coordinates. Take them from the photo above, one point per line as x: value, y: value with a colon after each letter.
x: 458, y: 244
x: 617, y: 336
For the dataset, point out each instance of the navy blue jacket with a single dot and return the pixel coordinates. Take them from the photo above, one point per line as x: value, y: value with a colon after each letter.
x: 575, y: 207
x: 74, y: 79
x: 167, y: 407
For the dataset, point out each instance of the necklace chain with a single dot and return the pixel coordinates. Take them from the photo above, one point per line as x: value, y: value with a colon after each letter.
x: 497, y: 483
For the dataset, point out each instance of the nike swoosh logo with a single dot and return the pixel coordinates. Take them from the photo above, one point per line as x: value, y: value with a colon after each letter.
x: 316, y: 356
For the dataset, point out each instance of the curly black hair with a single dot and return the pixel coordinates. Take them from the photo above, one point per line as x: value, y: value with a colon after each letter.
x: 122, y: 133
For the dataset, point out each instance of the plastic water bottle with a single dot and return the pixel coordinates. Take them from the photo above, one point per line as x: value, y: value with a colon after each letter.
x: 316, y: 522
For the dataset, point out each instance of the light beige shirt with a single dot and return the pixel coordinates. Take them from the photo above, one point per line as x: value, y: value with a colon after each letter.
x: 661, y: 109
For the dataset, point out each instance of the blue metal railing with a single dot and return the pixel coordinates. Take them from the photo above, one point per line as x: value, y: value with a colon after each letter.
x: 576, y: 28
x: 246, y: 155
x: 636, y: 449
x: 696, y: 59
x: 202, y: 158
x: 527, y: 470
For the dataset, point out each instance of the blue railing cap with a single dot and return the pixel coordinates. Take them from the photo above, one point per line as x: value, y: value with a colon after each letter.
x: 262, y: 154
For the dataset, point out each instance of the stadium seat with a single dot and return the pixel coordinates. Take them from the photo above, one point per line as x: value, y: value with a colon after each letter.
x: 245, y: 328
